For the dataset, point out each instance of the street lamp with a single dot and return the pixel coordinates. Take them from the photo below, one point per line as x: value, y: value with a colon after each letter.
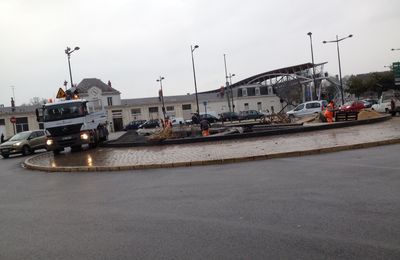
x: 194, y: 77
x: 340, y: 69
x: 313, y: 68
x: 162, y: 95
x: 68, y: 51
x: 230, y: 87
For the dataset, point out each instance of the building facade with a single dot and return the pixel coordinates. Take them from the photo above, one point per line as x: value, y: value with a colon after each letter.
x: 122, y: 111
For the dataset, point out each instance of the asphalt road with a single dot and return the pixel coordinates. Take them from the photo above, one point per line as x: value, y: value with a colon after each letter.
x: 334, y: 206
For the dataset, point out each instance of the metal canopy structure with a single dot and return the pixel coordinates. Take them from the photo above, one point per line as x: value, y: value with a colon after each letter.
x: 286, y: 82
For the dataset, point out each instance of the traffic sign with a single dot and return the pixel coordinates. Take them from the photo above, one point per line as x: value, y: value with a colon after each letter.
x: 61, y: 93
x: 13, y: 119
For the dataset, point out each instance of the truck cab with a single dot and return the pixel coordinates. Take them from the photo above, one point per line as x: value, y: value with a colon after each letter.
x: 69, y: 123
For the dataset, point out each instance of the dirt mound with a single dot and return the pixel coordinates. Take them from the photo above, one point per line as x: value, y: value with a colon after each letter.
x: 367, y: 114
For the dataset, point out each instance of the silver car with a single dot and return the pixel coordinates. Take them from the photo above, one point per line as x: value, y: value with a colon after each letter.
x: 308, y: 108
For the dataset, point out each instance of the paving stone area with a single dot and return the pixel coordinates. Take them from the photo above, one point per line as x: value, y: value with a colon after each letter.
x: 232, y: 150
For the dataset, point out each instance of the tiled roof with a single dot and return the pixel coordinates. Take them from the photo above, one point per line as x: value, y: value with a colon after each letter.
x: 86, y: 84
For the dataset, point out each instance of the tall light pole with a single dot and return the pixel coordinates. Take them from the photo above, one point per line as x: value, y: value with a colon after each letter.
x: 227, y: 85
x: 340, y: 69
x: 230, y: 87
x: 68, y: 51
x: 160, y: 79
x: 313, y: 68
x: 194, y: 77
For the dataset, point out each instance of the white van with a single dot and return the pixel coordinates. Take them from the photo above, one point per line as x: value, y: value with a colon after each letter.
x: 308, y: 108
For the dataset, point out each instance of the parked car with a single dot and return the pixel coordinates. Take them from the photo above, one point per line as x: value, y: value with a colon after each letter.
x: 209, y: 118
x: 369, y: 102
x: 24, y: 142
x: 250, y: 114
x: 177, y: 121
x: 352, y: 106
x: 227, y: 116
x: 308, y: 108
x: 152, y: 123
x: 134, y: 125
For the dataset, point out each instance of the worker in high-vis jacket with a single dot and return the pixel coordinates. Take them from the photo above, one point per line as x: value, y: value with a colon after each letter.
x: 329, y: 112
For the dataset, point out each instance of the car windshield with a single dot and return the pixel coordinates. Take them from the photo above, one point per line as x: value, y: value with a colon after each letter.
x: 64, y: 111
x: 20, y: 136
x: 300, y: 107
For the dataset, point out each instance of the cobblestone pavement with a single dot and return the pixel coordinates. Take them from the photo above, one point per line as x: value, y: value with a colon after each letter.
x: 221, y: 151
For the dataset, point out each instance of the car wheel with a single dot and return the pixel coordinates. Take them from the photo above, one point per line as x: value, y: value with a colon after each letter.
x: 5, y: 155
x: 26, y: 150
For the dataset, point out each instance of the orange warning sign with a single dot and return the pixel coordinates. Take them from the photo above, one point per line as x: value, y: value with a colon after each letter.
x: 61, y: 93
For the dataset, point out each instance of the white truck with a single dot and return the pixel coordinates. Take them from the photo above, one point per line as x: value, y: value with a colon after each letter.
x: 73, y: 123
x: 384, y: 103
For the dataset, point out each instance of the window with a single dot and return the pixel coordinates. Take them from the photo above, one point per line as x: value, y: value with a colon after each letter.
x: 244, y: 92
x: 251, y: 92
x: 264, y: 90
x: 153, y: 109
x: 259, y: 106
x: 313, y: 105
x: 109, y: 101
x: 239, y: 93
x: 246, y: 106
x: 22, y: 124
x: 300, y: 107
x: 186, y: 107
x: 136, y: 111
x: 257, y: 91
x: 170, y: 108
x: 2, y: 122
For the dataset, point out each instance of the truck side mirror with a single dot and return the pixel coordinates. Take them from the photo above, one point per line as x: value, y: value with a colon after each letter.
x: 37, y: 115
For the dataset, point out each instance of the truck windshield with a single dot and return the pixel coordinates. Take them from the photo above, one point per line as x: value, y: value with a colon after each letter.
x: 64, y: 111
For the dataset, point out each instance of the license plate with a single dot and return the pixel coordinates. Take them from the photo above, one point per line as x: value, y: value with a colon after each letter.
x: 66, y: 138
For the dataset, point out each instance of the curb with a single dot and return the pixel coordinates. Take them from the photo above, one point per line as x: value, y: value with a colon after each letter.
x: 31, y: 166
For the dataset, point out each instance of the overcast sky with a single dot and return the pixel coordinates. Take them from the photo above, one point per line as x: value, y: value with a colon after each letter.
x: 132, y: 42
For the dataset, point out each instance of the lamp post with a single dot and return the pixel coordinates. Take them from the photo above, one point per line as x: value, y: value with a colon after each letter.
x: 313, y: 68
x: 230, y: 87
x: 68, y: 51
x: 192, y: 49
x: 340, y: 69
x: 160, y: 79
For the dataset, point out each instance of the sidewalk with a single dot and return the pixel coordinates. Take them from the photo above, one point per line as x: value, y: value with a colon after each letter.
x: 218, y: 152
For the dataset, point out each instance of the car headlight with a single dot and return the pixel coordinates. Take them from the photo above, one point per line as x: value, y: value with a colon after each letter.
x: 49, y: 142
x: 17, y: 144
x: 84, y: 136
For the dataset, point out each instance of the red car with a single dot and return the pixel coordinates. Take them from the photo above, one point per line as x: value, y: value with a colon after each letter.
x: 352, y: 106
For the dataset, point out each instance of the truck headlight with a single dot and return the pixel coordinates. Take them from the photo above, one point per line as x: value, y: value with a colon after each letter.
x: 17, y: 144
x: 49, y: 142
x: 84, y: 136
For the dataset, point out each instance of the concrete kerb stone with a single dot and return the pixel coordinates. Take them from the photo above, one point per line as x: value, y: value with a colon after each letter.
x: 32, y: 166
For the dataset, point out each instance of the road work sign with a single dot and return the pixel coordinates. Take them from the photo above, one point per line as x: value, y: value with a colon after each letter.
x: 61, y: 93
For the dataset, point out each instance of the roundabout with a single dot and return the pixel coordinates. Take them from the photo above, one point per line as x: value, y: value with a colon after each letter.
x: 313, y: 139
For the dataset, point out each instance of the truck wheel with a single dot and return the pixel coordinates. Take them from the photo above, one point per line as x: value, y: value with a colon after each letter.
x: 76, y: 148
x: 5, y: 155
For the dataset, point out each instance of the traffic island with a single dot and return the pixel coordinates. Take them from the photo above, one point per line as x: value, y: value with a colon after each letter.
x: 221, y: 151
